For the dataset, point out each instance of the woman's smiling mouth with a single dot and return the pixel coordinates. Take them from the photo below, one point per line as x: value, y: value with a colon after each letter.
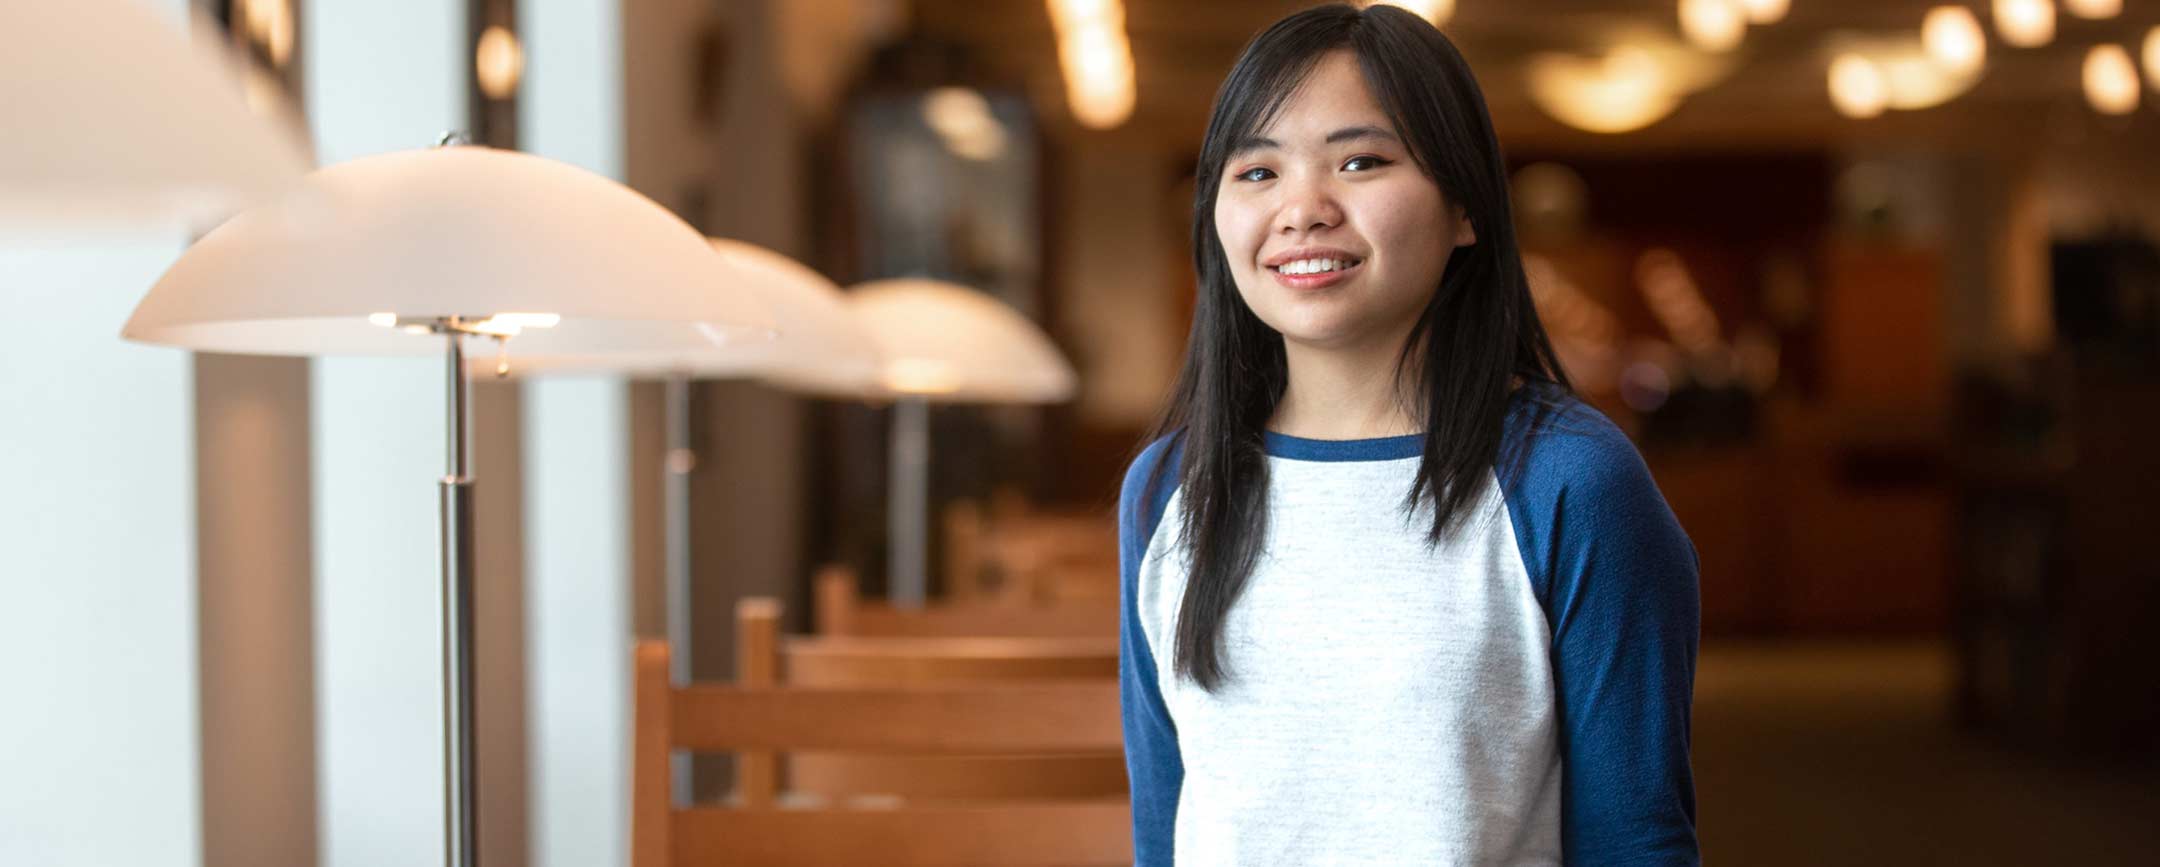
x: 1312, y: 268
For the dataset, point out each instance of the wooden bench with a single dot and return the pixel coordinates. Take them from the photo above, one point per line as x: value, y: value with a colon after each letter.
x: 761, y: 719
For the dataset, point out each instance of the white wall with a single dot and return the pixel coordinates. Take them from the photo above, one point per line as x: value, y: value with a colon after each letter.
x: 381, y: 76
x: 97, y: 560
x: 578, y: 619
x: 97, y: 635
x: 577, y: 461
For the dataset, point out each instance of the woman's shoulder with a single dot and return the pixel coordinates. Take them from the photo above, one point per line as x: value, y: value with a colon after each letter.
x: 1556, y: 441
x: 1149, y: 479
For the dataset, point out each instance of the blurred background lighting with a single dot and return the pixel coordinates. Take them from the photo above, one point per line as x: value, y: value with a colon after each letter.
x: 1954, y: 39
x: 1713, y: 25
x: 1436, y: 11
x: 1856, y: 87
x: 1624, y: 91
x: 2152, y: 57
x: 961, y: 117
x: 2111, y: 81
x: 1097, y: 60
x: 2025, y: 23
x: 1765, y: 11
x: 498, y: 62
x: 2093, y: 8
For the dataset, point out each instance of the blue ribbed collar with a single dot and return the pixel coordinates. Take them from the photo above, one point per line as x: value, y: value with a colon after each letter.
x: 1283, y: 445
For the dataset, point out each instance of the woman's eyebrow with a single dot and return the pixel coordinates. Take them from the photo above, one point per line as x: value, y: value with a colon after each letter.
x: 1354, y: 133
x: 1253, y: 143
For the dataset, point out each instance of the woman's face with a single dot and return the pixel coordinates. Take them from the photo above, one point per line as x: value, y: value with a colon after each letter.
x: 1335, y: 238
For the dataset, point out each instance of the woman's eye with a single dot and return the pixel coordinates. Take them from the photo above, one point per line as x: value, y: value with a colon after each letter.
x: 1255, y: 174
x: 1363, y: 164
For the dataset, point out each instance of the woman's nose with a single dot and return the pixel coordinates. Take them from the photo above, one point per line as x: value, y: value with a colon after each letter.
x: 1307, y: 206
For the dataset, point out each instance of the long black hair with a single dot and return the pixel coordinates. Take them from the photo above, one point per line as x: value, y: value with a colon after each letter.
x: 1478, y: 336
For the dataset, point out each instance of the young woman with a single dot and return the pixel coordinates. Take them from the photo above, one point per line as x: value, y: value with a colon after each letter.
x: 1392, y: 595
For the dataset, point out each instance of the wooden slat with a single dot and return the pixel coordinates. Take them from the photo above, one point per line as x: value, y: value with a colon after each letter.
x: 838, y: 597
x: 652, y: 794
x: 853, y: 661
x: 757, y: 663
x: 1077, y: 620
x: 952, y: 778
x: 1073, y: 833
x: 1017, y: 717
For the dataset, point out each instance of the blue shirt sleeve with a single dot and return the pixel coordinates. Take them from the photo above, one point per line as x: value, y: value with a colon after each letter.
x: 1153, y: 763
x: 1617, y: 578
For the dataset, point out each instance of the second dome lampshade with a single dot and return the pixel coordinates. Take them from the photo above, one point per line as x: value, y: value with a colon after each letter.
x: 952, y: 344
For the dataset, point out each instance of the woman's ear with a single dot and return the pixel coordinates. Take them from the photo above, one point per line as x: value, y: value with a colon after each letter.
x: 1465, y: 233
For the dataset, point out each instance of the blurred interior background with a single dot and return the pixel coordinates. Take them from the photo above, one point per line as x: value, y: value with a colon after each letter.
x: 1874, y: 284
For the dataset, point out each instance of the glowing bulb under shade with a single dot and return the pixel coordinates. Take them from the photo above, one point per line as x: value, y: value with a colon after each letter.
x: 2111, y: 81
x: 1713, y: 25
x: 1856, y: 87
x: 1954, y: 39
x: 2025, y: 23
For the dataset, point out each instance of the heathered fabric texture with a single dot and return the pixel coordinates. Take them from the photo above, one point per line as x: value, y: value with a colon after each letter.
x: 1517, y: 694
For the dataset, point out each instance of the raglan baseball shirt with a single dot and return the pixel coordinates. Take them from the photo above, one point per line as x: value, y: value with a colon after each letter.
x: 1516, y: 694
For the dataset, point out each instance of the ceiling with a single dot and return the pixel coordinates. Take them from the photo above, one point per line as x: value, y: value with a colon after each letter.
x: 1774, y: 94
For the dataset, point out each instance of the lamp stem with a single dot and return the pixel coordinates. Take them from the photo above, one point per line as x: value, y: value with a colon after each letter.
x: 460, y: 837
x: 908, y: 511
x: 675, y: 493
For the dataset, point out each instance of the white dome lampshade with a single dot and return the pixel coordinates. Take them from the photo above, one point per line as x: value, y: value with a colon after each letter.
x: 822, y: 346
x: 948, y: 343
x: 115, y: 118
x: 818, y: 346
x: 569, y: 262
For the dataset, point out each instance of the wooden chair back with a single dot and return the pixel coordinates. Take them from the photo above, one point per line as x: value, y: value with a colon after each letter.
x: 1016, y: 553
x: 853, y: 661
x: 760, y: 720
x: 841, y: 611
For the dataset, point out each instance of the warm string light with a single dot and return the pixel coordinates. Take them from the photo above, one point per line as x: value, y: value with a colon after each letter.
x: 498, y: 62
x: 1856, y: 87
x: 1765, y: 11
x: 2111, y: 80
x: 2025, y: 23
x: 2152, y: 57
x: 1713, y: 25
x: 961, y: 117
x: 1622, y: 92
x: 1097, y: 60
x: 1953, y: 38
x: 1436, y: 11
x: 2093, y: 8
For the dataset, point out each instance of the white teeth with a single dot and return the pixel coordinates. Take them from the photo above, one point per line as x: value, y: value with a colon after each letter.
x: 1312, y: 266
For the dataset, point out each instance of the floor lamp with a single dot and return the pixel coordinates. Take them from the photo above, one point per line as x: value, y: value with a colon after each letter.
x: 124, y: 121
x: 416, y: 252
x: 943, y: 342
x: 821, y: 349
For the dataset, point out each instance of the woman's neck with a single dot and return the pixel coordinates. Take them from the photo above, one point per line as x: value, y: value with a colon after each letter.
x: 1343, y: 395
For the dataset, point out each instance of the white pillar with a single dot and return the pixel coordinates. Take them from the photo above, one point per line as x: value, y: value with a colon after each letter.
x: 381, y: 76
x: 97, y: 559
x: 97, y: 564
x: 577, y: 485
